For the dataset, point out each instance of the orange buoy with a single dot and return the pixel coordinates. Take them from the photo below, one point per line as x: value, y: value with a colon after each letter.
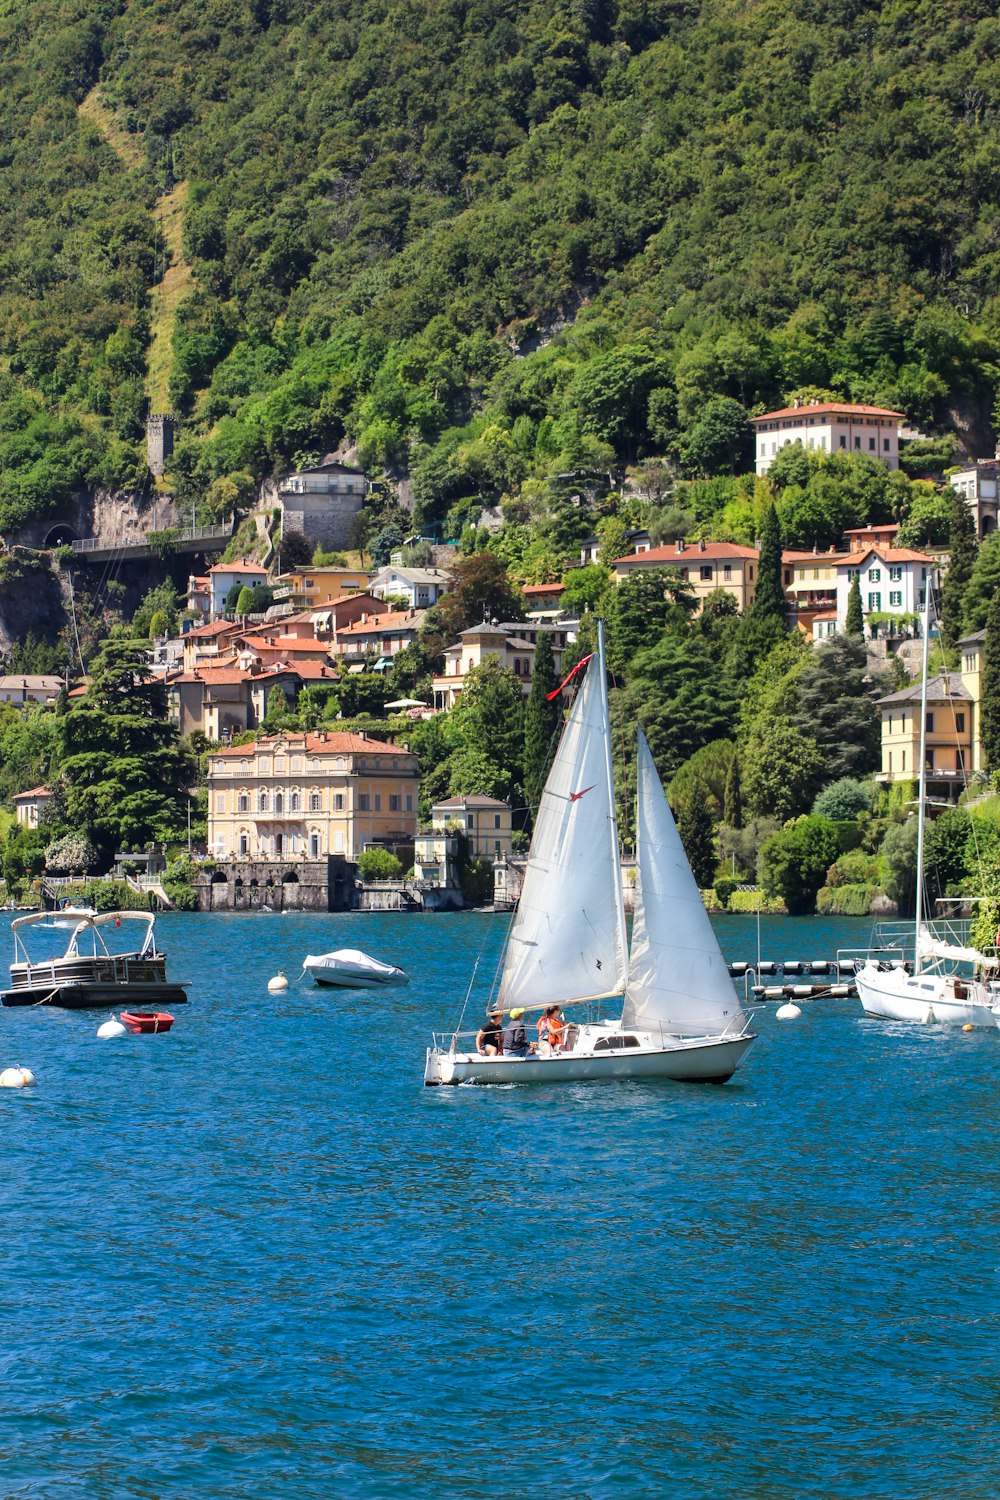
x: 966, y: 1027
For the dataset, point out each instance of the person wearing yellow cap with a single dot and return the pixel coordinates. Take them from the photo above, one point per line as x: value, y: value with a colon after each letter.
x: 515, y: 1036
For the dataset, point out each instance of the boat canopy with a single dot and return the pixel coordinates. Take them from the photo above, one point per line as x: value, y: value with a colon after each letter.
x: 85, y: 925
x: 933, y: 947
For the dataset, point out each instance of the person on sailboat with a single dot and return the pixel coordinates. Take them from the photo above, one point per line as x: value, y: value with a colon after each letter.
x: 515, y: 1037
x: 489, y: 1038
x: 557, y: 1029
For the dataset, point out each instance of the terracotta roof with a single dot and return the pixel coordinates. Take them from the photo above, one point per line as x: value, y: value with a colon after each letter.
x: 887, y: 555
x: 543, y: 588
x: 396, y: 619
x: 831, y: 615
x: 318, y: 742
x: 847, y: 408
x: 240, y: 567
x: 35, y: 793
x: 666, y: 557
x: 892, y: 526
x: 302, y: 643
x: 206, y: 632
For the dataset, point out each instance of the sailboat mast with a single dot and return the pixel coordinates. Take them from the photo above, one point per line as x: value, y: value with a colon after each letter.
x: 922, y: 782
x: 609, y: 768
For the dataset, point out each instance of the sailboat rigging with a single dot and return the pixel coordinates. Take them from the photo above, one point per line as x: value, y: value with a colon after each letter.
x: 568, y: 943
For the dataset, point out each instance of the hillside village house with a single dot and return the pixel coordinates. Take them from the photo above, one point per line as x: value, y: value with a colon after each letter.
x: 809, y: 580
x: 322, y: 502
x: 543, y: 598
x: 590, y: 547
x: 420, y: 587
x: 223, y: 575
x: 978, y: 484
x: 223, y: 699
x: 893, y: 581
x: 972, y: 648
x: 508, y: 643
x: 949, y: 735
x: 27, y: 805
x: 309, y: 588
x: 310, y: 795
x: 830, y: 427
x: 704, y: 566
x: 383, y: 636
x: 199, y: 593
x: 485, y: 822
x: 23, y: 690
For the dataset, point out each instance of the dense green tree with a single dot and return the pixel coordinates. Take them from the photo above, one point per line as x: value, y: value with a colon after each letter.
x: 795, y: 860
x: 720, y: 439
x: 946, y: 850
x: 844, y: 799
x: 708, y: 770
x: 244, y: 601
x: 769, y: 596
x: 732, y: 811
x: 782, y: 768
x: 836, y: 710
x: 899, y: 854
x: 983, y: 585
x: 120, y: 757
x: 378, y: 864
x: 854, y: 624
x: 961, y: 562
x: 640, y: 608
x: 989, y: 688
x: 479, y: 589
x: 542, y: 719
x: 486, y: 729
x: 697, y: 831
x: 681, y: 699
x: 928, y: 520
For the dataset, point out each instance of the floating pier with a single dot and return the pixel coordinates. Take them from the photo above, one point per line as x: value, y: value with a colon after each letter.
x: 793, y: 978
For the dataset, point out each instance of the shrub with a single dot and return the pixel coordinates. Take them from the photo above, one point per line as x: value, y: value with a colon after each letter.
x: 378, y: 864
x: 847, y: 900
x: 750, y: 902
x: 843, y: 800
x: 724, y: 888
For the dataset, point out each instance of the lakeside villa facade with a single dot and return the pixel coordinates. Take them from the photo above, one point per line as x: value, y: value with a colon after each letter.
x: 703, y: 566
x: 828, y: 427
x: 310, y: 795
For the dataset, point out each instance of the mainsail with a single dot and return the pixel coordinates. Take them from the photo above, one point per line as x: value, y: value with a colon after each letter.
x: 678, y: 982
x: 568, y: 940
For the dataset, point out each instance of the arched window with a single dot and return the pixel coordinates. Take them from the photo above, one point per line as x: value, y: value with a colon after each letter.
x: 279, y: 803
x: 314, y: 801
x: 517, y: 666
x: 262, y: 802
x: 293, y: 802
x: 243, y: 803
x: 314, y: 845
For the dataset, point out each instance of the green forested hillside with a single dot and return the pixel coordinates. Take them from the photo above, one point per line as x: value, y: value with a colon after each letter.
x: 490, y: 242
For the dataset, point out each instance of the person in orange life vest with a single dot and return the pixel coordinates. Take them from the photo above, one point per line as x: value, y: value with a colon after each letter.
x: 557, y: 1028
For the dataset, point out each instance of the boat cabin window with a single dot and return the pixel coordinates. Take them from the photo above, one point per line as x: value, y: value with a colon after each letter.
x: 615, y: 1043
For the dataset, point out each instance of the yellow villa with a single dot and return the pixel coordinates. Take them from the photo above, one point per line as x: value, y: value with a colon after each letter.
x: 308, y: 588
x: 310, y: 795
x: 949, y: 735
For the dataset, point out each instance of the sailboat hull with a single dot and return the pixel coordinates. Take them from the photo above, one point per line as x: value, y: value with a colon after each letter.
x: 894, y: 995
x: 698, y: 1060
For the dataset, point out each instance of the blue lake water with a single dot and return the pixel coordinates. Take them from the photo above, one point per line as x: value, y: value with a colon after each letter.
x: 255, y: 1257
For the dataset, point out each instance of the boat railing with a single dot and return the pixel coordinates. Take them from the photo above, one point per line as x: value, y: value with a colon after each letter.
x: 850, y: 960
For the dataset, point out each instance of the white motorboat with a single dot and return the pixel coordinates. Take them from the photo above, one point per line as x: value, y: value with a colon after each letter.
x: 67, y: 915
x: 349, y: 968
x: 949, y: 984
x: 680, y: 1017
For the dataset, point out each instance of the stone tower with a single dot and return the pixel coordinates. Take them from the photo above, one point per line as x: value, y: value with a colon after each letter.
x: 159, y: 440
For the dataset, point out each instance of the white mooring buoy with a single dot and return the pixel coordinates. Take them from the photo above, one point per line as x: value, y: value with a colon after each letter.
x: 787, y: 1012
x: 110, y: 1027
x: 17, y: 1078
x: 278, y: 983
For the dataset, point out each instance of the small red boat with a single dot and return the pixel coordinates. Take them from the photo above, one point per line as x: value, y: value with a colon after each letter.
x: 147, y: 1020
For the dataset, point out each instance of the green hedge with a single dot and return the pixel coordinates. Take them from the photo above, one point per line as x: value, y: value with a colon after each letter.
x: 847, y: 900
x: 750, y: 902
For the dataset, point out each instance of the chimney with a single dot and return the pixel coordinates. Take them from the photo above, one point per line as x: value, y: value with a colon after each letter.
x: 701, y: 544
x: 679, y: 544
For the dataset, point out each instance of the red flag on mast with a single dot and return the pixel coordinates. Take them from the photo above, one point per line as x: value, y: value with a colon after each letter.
x: 568, y: 678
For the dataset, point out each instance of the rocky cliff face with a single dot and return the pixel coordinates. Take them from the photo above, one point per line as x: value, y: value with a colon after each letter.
x: 112, y: 516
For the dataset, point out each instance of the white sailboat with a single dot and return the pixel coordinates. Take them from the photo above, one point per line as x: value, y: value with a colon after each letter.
x: 937, y: 990
x: 680, y: 1017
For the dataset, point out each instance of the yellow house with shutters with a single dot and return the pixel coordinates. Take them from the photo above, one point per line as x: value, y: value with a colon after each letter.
x: 972, y: 648
x: 949, y: 735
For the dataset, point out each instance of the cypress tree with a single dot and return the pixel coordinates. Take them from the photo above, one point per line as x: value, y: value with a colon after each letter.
x: 962, y: 548
x: 989, y: 703
x: 732, y: 810
x: 769, y: 596
x: 855, y: 622
x: 541, y: 722
x: 694, y: 824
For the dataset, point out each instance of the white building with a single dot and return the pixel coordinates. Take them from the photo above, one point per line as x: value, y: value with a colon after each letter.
x: 978, y: 485
x: 22, y: 690
x: 223, y: 575
x: 420, y: 587
x: 893, y: 581
x: 829, y: 427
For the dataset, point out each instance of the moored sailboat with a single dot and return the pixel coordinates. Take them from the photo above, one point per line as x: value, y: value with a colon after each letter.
x: 568, y: 944
x: 937, y: 990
